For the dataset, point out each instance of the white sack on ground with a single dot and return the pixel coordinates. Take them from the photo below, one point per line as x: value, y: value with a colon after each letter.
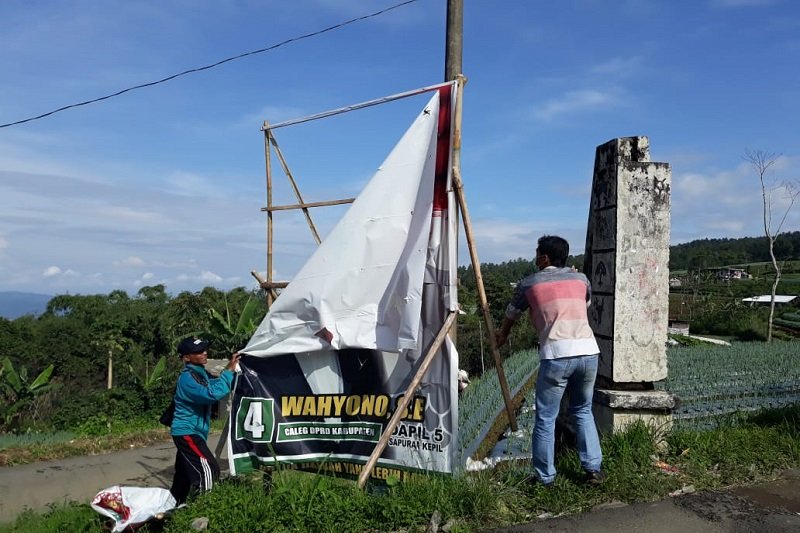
x: 128, y: 506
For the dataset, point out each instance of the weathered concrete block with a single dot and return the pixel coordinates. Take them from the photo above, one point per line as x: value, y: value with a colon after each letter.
x: 653, y: 400
x: 610, y: 420
x: 626, y: 259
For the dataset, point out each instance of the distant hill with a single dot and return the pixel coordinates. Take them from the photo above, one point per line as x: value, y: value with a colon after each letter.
x: 700, y: 253
x: 15, y: 304
x: 705, y: 253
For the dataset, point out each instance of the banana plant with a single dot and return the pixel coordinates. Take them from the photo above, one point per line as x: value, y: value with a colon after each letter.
x: 228, y: 333
x: 147, y: 382
x: 150, y: 379
x: 18, y: 392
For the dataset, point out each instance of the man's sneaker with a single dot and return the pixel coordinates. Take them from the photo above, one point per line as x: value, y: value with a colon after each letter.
x: 596, y: 477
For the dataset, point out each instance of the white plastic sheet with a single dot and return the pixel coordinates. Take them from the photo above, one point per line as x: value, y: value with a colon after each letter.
x: 362, y: 288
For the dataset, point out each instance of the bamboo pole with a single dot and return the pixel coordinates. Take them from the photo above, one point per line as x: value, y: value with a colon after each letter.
x: 288, y: 173
x: 460, y: 80
x: 268, y: 164
x: 400, y: 410
x: 269, y: 286
x: 306, y: 205
x: 458, y: 186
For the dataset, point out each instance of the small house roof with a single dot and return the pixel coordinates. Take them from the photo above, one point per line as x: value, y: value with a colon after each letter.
x: 765, y: 298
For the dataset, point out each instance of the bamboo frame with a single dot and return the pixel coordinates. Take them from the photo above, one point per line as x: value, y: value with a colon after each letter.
x: 355, y: 107
x: 288, y: 173
x: 269, y: 285
x: 458, y: 187
x: 271, y: 295
x: 400, y: 410
x: 306, y: 205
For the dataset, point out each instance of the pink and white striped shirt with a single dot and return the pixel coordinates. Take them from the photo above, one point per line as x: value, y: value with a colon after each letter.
x: 556, y: 299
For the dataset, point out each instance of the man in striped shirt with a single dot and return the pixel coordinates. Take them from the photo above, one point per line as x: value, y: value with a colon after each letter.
x: 556, y: 298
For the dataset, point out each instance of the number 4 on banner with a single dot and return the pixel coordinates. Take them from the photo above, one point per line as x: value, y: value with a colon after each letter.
x: 254, y: 419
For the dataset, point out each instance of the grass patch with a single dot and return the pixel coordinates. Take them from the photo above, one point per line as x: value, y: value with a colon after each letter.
x: 71, y: 518
x: 741, y: 450
x: 752, y: 449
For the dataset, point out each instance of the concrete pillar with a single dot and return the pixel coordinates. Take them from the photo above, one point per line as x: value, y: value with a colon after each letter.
x: 626, y: 259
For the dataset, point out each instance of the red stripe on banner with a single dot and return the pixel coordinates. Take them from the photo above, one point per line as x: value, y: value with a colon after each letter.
x: 442, y: 150
x: 193, y: 446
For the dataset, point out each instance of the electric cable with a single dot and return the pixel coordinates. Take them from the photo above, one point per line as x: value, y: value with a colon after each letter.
x: 207, y: 67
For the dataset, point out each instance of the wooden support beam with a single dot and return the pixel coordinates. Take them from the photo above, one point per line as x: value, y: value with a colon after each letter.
x: 400, y: 410
x: 269, y: 286
x: 270, y: 295
x: 458, y: 187
x: 306, y: 205
x: 296, y: 190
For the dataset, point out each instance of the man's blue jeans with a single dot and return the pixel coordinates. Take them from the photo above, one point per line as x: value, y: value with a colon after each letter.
x: 576, y: 375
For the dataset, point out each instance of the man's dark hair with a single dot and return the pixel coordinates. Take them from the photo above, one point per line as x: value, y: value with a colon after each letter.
x: 555, y: 248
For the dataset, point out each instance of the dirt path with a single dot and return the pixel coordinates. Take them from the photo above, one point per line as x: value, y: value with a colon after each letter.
x: 79, y: 478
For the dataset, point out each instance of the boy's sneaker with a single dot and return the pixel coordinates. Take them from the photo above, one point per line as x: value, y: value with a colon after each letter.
x: 596, y: 477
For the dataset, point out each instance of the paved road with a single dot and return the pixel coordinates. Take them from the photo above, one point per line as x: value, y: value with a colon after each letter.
x: 768, y: 508
x: 79, y: 478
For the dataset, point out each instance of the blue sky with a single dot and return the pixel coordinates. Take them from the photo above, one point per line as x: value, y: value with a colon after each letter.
x: 164, y: 184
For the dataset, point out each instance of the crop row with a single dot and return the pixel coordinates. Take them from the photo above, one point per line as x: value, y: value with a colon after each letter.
x: 482, y: 401
x: 714, y: 382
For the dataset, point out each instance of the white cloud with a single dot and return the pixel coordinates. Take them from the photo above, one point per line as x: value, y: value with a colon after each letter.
x: 131, y: 261
x: 499, y: 240
x: 49, y: 272
x: 575, y: 102
x: 130, y: 215
x: 148, y: 276
x: 619, y: 66
x: 3, y: 243
x: 727, y: 203
x: 210, y: 277
x: 191, y: 184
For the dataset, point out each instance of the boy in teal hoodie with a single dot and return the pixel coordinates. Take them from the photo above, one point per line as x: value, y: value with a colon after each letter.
x: 195, y: 395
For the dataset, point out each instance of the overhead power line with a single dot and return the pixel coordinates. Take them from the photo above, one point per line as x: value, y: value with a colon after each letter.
x: 207, y: 67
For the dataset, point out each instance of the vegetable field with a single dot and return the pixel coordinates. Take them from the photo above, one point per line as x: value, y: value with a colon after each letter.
x: 715, y: 383
x: 482, y: 401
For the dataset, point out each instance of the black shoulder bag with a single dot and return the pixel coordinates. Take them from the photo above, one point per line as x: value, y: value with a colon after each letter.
x: 168, y: 415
